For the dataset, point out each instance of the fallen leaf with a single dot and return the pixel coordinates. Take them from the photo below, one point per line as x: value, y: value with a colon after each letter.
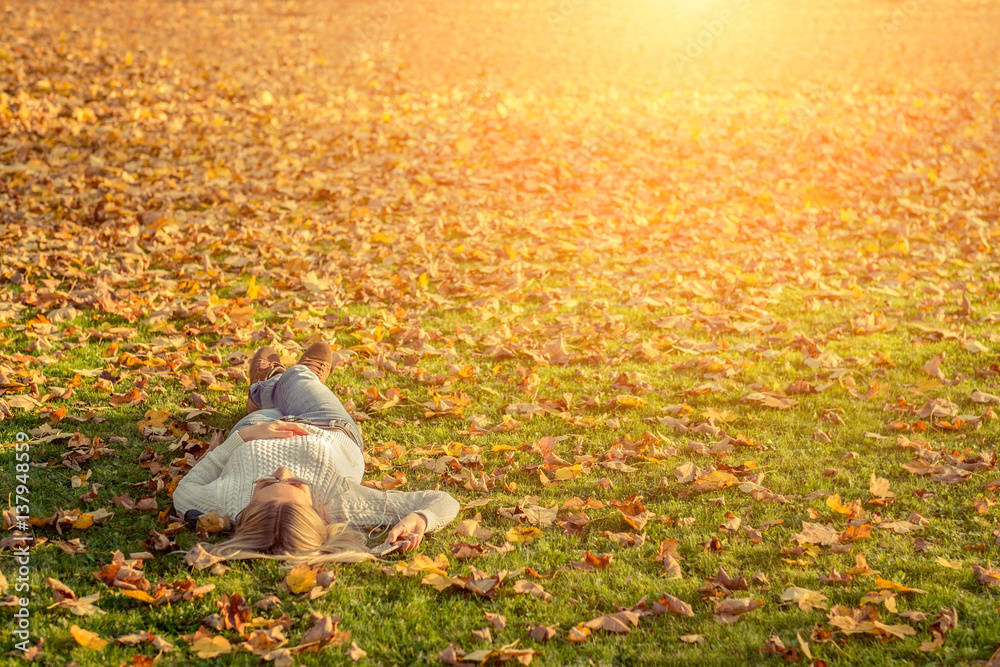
x: 988, y: 576
x: 542, y: 633
x: 300, y: 579
x: 532, y: 588
x: 578, y: 633
x: 591, y: 562
x: 355, y: 652
x: 634, y: 512
x: 806, y: 599
x: 890, y: 585
x: 617, y: 622
x: 211, y: 647
x: 815, y: 533
x: 199, y: 558
x: 87, y: 639
x: 729, y: 609
x: 668, y: 603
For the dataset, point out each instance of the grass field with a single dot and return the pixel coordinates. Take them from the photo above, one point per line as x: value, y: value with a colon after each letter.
x: 649, y: 310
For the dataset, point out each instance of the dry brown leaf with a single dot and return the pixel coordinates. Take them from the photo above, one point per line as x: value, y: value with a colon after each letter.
x: 532, y: 588
x: 737, y: 606
x: 591, y: 562
x: 498, y: 620
x: 542, y: 633
x: 617, y: 622
x: 806, y: 599
x: 988, y: 576
x: 634, y: 512
x: 323, y: 633
x: 668, y: 603
x: 672, y: 568
x: 199, y: 558
x: 578, y: 633
x: 355, y: 652
x: 879, y: 488
x: 815, y: 533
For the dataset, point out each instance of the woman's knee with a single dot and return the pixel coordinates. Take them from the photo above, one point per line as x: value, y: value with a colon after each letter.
x: 298, y: 373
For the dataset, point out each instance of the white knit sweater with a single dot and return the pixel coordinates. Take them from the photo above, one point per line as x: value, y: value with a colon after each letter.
x: 222, y: 480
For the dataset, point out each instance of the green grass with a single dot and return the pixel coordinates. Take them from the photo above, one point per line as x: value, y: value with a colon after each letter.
x: 399, y: 621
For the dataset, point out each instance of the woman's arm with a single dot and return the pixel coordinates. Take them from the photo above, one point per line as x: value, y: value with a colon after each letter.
x: 360, y: 506
x: 198, y: 489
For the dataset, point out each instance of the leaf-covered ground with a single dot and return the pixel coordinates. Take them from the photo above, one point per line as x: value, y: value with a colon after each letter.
x: 704, y: 338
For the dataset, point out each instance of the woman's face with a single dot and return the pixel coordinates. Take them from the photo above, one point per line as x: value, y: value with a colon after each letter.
x: 282, y: 491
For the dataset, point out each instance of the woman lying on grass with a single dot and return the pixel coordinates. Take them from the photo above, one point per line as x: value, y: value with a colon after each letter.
x: 289, y: 475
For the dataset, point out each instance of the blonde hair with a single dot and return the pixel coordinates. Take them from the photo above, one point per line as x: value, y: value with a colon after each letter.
x: 293, y: 533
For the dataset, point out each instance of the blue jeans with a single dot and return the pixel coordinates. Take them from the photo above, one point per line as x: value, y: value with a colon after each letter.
x: 298, y: 393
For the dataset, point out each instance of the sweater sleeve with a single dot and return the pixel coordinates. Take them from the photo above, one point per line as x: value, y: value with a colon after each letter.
x: 362, y: 506
x: 199, y: 488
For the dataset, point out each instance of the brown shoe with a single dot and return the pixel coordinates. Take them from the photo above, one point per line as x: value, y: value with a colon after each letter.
x: 319, y: 359
x: 264, y: 365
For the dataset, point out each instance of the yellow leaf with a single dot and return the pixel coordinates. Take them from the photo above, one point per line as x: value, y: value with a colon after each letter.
x: 523, y: 535
x: 578, y: 633
x: 891, y: 585
x: 85, y: 521
x: 154, y: 418
x: 301, y: 579
x: 715, y: 480
x: 833, y: 502
x: 422, y: 563
x: 86, y: 638
x: 140, y: 595
x: 569, y: 472
x: 441, y: 582
x: 253, y: 290
x: 210, y: 648
x: 806, y: 599
x: 633, y: 401
x: 953, y: 564
x: 381, y: 237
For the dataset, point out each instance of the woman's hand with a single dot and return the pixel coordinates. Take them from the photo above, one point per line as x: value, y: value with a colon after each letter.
x: 409, y: 531
x: 275, y: 429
